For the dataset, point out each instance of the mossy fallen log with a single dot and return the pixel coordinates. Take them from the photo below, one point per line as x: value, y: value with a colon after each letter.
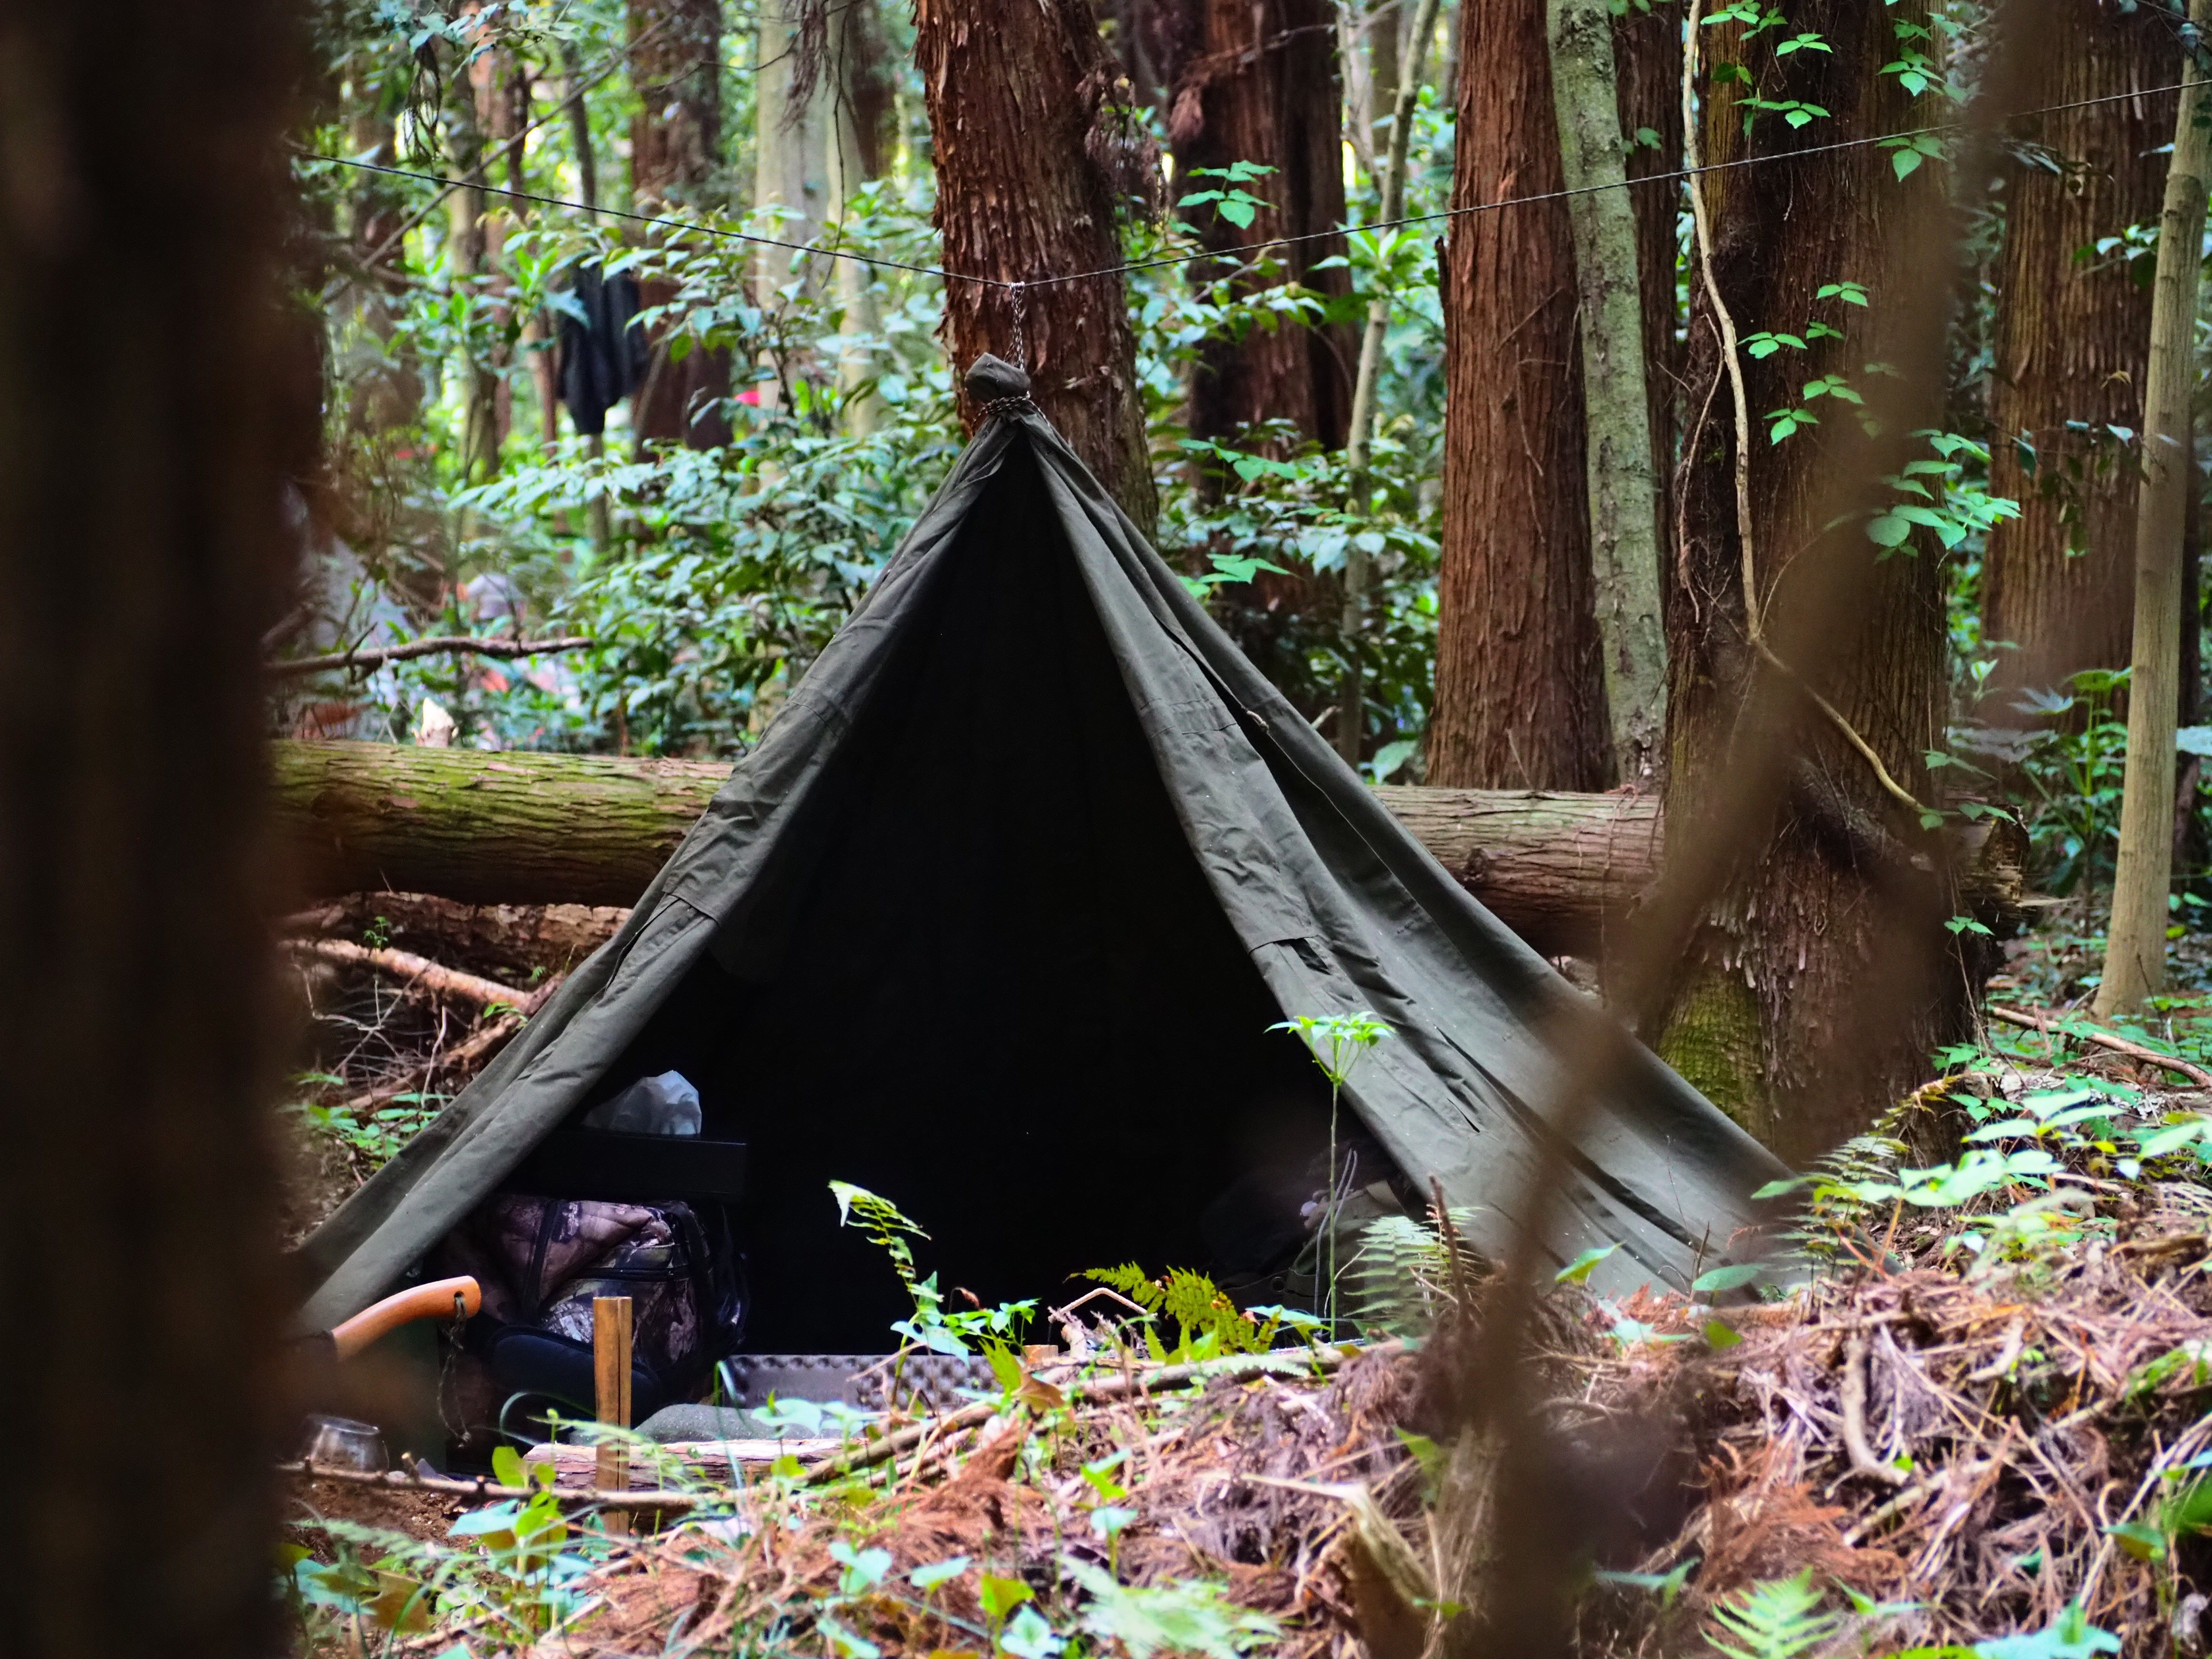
x: 512, y: 828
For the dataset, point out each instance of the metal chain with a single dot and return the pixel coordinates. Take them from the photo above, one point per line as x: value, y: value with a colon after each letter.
x: 1019, y: 293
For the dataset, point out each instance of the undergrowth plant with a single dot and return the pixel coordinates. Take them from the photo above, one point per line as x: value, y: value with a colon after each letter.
x: 1338, y: 1042
x: 1404, y: 1272
x: 1208, y: 1324
x: 959, y: 1333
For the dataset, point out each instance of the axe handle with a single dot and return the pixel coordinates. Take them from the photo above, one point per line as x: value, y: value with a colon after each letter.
x: 432, y: 1301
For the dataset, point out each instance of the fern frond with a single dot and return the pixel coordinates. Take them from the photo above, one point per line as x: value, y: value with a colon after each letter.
x: 1131, y: 1281
x: 1778, y: 1618
x: 1401, y: 1276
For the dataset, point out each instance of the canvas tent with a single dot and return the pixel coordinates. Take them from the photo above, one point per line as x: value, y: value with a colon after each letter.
x: 993, y: 920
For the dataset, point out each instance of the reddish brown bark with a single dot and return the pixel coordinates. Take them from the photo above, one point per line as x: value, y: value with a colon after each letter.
x: 1031, y: 157
x: 1821, y: 980
x: 676, y: 142
x: 1519, y: 703
x: 2073, y: 330
x: 1258, y: 82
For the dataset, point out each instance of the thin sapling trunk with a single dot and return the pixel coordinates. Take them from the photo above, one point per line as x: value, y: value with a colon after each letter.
x: 1623, y: 494
x: 1351, y: 721
x: 2134, y: 957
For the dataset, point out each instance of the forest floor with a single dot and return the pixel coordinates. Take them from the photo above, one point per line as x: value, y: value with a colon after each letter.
x: 1977, y: 1420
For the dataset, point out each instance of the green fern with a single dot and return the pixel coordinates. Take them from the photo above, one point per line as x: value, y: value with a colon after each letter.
x: 888, y: 1228
x: 1778, y: 1618
x: 1402, y: 1275
x: 1208, y: 1322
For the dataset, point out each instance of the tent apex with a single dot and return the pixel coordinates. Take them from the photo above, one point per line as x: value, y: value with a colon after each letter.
x: 990, y: 379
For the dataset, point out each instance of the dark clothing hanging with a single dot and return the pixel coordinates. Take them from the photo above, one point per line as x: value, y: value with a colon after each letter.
x: 603, y: 353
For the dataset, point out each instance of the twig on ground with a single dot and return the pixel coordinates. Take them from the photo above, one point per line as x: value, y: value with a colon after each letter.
x: 1863, y: 1461
x: 488, y: 1491
x: 486, y: 1040
x: 1102, y: 1388
x: 430, y: 975
x: 437, y: 644
x: 2118, y: 1045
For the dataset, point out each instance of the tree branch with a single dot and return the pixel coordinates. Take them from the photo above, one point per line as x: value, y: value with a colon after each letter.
x: 2118, y: 1045
x: 457, y: 644
x: 452, y: 981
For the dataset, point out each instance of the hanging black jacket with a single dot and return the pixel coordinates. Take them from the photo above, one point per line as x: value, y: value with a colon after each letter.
x: 603, y: 353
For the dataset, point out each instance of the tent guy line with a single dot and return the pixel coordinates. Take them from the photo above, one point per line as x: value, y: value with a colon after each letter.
x: 1013, y: 285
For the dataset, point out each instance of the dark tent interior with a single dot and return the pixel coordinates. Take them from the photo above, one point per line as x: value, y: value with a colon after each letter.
x: 990, y: 983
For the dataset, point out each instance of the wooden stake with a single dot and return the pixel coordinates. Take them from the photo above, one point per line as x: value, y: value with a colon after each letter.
x: 611, y: 1362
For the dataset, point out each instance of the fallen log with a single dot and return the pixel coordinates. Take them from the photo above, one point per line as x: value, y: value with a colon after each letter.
x: 513, y: 828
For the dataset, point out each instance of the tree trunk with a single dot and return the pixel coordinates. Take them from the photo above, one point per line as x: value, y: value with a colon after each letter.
x: 1032, y: 162
x: 1820, y: 981
x: 793, y: 190
x: 469, y: 248
x: 1623, y: 468
x: 153, y: 404
x: 861, y: 148
x: 572, y: 830
x: 1647, y: 56
x: 676, y: 155
x: 1246, y: 81
x: 2135, y: 961
x: 1519, y: 699
x: 2071, y: 336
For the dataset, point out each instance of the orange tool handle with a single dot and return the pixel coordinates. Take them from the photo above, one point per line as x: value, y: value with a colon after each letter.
x: 436, y: 1300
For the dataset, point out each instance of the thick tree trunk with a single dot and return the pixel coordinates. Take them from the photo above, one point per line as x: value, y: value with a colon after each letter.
x: 1624, y: 465
x: 1258, y: 83
x: 676, y: 154
x: 570, y: 830
x: 1821, y: 980
x: 149, y: 417
x: 1519, y: 700
x: 1023, y: 104
x: 2072, y: 335
x: 2135, y: 962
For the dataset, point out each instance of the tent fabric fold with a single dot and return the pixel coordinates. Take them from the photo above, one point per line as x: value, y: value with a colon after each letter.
x: 1333, y: 904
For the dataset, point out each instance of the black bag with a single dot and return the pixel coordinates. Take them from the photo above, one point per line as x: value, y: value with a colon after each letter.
x: 540, y: 1262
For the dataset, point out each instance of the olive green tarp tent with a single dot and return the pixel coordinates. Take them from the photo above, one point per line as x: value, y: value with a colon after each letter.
x: 994, y: 919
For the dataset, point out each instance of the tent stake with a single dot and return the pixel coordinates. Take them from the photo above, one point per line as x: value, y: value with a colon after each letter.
x: 611, y: 1362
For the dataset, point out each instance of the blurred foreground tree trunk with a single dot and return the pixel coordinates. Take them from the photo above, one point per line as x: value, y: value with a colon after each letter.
x: 1822, y: 978
x: 1519, y: 702
x: 1037, y: 151
x: 150, y: 395
x: 1258, y: 83
x: 2073, y: 338
x: 675, y: 160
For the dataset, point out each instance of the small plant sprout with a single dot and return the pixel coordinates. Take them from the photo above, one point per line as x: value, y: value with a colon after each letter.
x: 1338, y: 1043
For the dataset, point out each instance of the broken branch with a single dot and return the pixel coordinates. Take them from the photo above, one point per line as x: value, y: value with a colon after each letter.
x: 436, y: 645
x: 450, y: 981
x: 2118, y: 1045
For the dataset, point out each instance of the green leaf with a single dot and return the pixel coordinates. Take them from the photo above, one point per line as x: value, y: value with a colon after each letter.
x: 1000, y: 1596
x: 1720, y: 1334
x: 1733, y: 1277
x: 506, y: 1466
x: 937, y: 1573
x: 1578, y: 1271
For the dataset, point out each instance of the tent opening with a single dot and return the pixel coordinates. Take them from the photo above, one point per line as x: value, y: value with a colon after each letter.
x: 989, y: 982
